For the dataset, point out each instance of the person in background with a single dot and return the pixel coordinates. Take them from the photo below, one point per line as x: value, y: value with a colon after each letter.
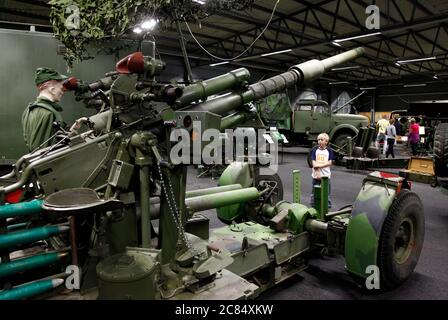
x: 391, y: 135
x: 397, y: 125
x: 322, y: 159
x: 414, y: 136
x: 381, y: 126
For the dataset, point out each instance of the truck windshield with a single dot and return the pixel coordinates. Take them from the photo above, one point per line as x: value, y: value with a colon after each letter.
x: 320, y: 109
x: 305, y: 107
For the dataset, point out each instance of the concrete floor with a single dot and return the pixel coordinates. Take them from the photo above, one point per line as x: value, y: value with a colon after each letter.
x: 326, y: 278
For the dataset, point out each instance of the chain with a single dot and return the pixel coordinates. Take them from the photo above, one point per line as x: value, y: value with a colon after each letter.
x: 175, y: 213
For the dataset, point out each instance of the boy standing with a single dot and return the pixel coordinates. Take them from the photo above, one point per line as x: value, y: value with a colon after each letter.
x: 322, y: 158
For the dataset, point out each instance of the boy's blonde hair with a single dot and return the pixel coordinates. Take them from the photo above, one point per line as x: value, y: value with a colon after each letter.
x: 323, y: 136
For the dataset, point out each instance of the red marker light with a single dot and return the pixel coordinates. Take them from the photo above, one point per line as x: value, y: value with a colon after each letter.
x: 14, y: 196
x: 133, y: 63
x: 71, y: 84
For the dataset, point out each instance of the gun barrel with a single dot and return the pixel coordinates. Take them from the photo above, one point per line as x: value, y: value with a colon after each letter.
x: 299, y: 74
x: 302, y: 73
x: 206, y: 88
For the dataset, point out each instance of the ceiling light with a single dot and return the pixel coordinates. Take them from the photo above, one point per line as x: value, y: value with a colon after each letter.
x: 218, y: 64
x: 356, y: 37
x: 436, y: 77
x: 199, y: 1
x: 149, y: 24
x: 368, y: 88
x: 397, y: 64
x: 416, y: 60
x: 414, y: 85
x: 336, y: 44
x: 137, y: 30
x: 275, y: 52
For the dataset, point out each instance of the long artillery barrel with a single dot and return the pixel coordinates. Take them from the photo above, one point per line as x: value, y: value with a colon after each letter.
x: 299, y: 74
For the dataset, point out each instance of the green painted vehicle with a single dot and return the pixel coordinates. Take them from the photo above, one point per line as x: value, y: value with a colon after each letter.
x: 302, y: 122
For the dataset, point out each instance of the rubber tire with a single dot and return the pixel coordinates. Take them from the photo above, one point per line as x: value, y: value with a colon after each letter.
x: 340, y: 139
x: 406, y: 205
x: 357, y: 152
x: 441, y: 150
x: 273, y: 177
x: 373, y: 153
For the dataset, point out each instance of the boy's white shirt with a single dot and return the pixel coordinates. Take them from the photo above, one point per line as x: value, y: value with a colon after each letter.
x: 322, y: 156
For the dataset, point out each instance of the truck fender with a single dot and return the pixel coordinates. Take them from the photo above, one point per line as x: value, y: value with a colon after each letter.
x: 369, y: 212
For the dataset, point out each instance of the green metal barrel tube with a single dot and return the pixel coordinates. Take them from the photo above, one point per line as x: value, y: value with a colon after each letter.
x: 217, y: 200
x: 232, y: 120
x: 224, y: 104
x: 316, y: 226
x: 204, y: 89
x: 31, y: 235
x: 296, y: 186
x: 144, y: 201
x: 31, y: 289
x: 24, y: 264
x: 302, y: 73
x: 268, y: 211
x: 21, y: 209
x: 297, y: 75
x: 202, y: 192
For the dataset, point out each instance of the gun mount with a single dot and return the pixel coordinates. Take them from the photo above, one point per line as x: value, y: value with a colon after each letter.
x: 120, y: 172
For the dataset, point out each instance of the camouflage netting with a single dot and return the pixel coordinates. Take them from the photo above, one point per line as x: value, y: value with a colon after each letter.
x: 80, y: 23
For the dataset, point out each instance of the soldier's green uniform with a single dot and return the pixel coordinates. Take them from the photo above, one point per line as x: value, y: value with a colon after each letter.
x: 38, y: 117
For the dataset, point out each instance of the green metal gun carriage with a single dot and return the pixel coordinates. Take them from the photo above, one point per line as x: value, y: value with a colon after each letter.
x: 119, y: 175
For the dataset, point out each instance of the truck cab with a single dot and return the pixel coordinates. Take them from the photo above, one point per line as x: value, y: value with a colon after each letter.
x: 303, y: 121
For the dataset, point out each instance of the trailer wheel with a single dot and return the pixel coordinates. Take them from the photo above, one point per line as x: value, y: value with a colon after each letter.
x: 441, y: 150
x: 273, y: 179
x: 401, y: 240
x: 373, y: 153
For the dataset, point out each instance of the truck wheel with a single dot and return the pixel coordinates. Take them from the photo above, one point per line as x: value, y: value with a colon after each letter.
x: 357, y: 152
x: 441, y: 150
x: 401, y: 240
x: 341, y: 141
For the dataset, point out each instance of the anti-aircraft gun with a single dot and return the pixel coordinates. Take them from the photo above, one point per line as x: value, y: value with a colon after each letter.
x: 120, y: 171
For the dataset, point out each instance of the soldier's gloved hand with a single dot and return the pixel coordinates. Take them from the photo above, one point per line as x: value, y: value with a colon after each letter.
x: 78, y: 123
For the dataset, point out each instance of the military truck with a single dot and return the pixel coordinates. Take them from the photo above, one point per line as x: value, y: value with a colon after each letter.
x: 303, y: 121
